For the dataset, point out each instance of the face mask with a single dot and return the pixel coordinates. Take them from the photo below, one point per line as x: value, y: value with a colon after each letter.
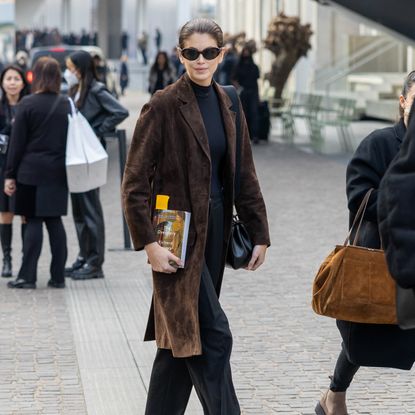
x: 70, y: 78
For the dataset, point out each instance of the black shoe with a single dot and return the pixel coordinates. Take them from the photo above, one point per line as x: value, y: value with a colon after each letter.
x: 78, y: 264
x: 55, y: 284
x: 87, y: 272
x: 21, y: 283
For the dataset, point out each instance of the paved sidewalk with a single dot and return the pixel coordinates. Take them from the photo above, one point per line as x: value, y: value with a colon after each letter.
x: 79, y: 351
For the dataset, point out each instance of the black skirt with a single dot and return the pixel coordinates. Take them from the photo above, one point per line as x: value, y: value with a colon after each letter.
x: 41, y: 201
x: 378, y: 345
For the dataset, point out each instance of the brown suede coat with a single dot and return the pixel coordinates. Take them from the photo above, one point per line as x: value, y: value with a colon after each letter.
x: 169, y: 155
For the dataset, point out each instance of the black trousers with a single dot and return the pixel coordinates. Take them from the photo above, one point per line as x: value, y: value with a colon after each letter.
x: 32, y: 247
x: 89, y: 225
x: 343, y: 373
x: 172, y: 378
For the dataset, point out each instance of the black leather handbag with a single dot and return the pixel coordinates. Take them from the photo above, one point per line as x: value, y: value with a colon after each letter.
x: 240, y: 246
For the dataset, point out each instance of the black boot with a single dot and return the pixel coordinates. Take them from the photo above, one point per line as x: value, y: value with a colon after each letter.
x: 6, y: 245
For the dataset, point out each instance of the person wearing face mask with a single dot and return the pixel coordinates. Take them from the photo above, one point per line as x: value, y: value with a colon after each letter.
x: 13, y: 87
x: 70, y: 78
x: 245, y: 78
x: 104, y: 113
x: 378, y: 345
x: 21, y: 60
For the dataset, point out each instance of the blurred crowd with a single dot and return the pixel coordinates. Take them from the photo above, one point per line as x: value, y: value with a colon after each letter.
x: 33, y: 135
x: 28, y: 39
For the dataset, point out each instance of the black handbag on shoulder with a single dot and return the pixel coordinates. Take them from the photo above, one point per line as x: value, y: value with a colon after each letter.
x: 240, y: 245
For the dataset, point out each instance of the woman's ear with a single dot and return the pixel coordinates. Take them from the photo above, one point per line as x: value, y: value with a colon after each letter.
x: 402, y: 101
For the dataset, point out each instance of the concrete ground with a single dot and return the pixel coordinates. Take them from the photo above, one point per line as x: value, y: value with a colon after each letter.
x: 79, y: 351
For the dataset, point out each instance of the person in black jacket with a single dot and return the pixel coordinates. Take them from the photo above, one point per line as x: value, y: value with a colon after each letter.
x: 35, y: 172
x: 13, y: 87
x: 377, y: 345
x: 245, y: 77
x: 104, y: 113
x: 161, y: 73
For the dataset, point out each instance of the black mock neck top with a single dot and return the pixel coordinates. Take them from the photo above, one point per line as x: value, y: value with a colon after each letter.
x: 209, y: 106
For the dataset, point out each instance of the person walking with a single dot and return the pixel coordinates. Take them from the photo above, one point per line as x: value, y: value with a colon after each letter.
x: 35, y: 172
x: 124, y: 79
x: 379, y: 345
x: 13, y: 87
x: 184, y: 147
x: 142, y: 44
x: 245, y: 77
x: 158, y: 39
x: 104, y: 113
x: 161, y: 73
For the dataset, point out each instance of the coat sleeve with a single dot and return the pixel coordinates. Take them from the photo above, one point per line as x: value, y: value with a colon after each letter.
x: 139, y: 173
x: 116, y: 112
x: 365, y: 171
x: 397, y: 213
x: 250, y: 204
x: 17, y: 142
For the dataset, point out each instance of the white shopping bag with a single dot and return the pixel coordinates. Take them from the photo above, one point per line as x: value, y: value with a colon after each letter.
x: 86, y: 158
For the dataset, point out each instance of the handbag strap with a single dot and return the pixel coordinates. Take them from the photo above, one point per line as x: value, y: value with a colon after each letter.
x: 359, y: 217
x: 73, y: 108
x: 232, y: 94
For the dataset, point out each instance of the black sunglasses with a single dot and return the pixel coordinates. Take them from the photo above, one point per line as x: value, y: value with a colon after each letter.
x: 191, y: 54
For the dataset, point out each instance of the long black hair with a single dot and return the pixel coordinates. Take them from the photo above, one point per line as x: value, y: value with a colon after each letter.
x: 155, y: 65
x: 23, y: 92
x: 84, y: 63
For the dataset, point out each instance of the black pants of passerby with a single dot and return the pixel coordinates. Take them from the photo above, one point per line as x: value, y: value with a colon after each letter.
x: 32, y: 247
x: 89, y: 225
x: 343, y: 373
x: 172, y: 378
x: 250, y: 102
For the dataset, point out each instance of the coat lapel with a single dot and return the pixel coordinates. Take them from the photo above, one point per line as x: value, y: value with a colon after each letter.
x: 189, y: 108
x: 190, y: 111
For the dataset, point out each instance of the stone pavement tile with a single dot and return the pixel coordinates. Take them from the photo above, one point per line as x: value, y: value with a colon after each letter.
x: 36, y: 346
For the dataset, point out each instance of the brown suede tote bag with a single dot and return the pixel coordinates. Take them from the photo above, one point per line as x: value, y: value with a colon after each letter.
x: 353, y: 283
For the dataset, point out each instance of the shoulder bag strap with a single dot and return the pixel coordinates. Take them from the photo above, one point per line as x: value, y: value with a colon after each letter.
x: 359, y: 217
x: 232, y: 94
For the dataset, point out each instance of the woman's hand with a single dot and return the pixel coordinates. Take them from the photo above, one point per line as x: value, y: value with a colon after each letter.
x: 257, y: 258
x: 161, y: 259
x: 9, y: 186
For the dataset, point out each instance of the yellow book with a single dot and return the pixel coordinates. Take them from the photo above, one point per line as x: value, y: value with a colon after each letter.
x: 172, y: 227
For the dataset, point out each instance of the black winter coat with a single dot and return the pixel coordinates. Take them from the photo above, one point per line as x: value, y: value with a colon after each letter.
x: 379, y: 345
x: 102, y: 110
x: 397, y: 211
x: 36, y: 153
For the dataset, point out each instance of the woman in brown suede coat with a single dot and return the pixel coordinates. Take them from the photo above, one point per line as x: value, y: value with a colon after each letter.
x: 184, y: 147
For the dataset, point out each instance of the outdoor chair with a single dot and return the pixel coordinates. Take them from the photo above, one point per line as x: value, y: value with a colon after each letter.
x: 302, y: 106
x: 338, y: 113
